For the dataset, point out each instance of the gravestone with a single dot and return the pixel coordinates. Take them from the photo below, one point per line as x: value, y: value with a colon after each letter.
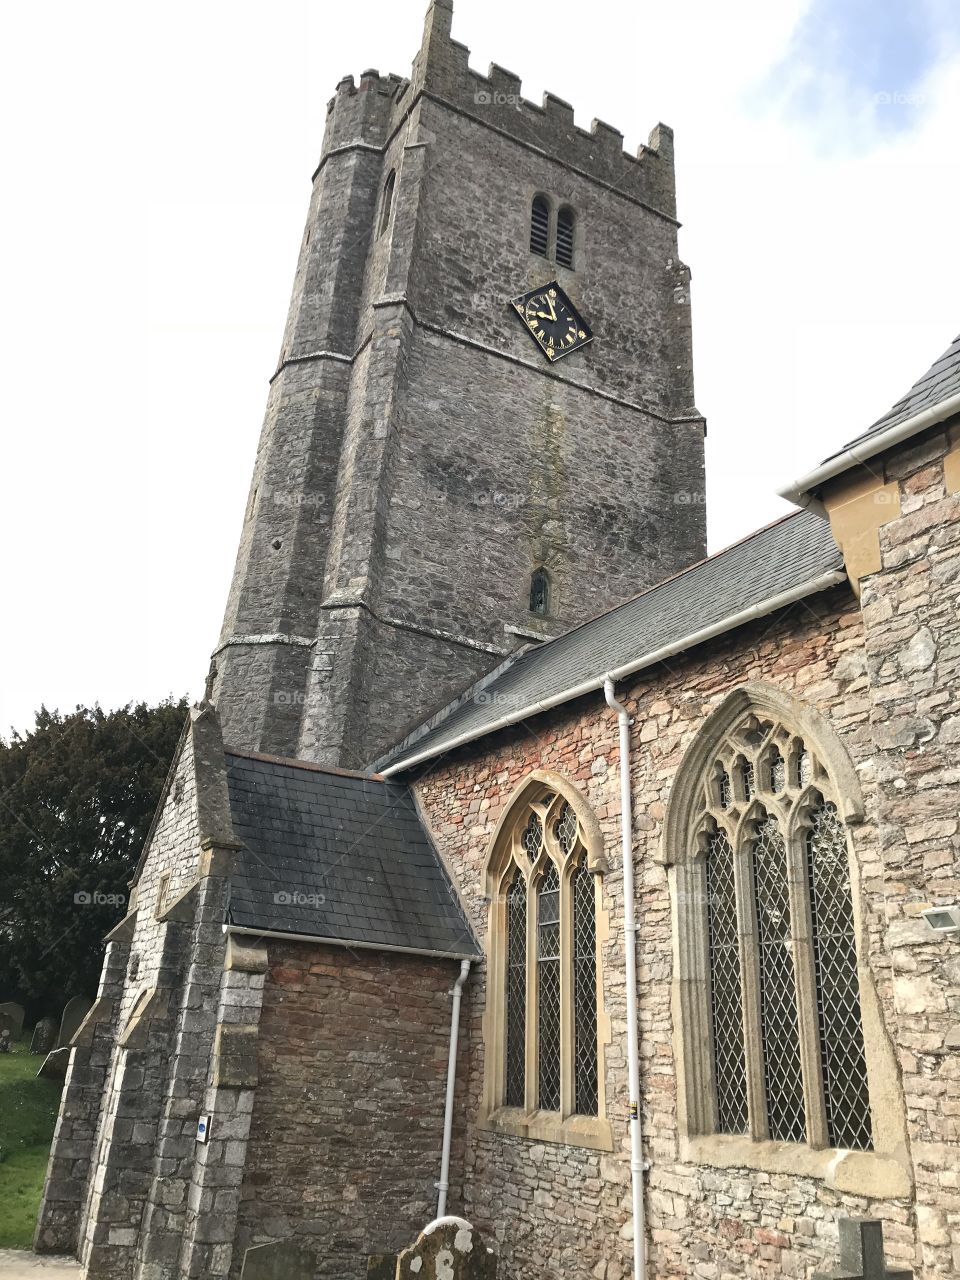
x: 74, y: 1012
x: 861, y: 1253
x: 54, y: 1065
x: 279, y: 1260
x: 11, y: 1017
x: 382, y: 1266
x: 44, y: 1036
x: 4, y: 1040
x: 448, y: 1249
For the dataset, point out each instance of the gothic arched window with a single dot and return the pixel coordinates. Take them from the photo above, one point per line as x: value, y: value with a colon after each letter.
x: 565, y: 227
x: 544, y: 1013
x: 540, y: 226
x: 540, y: 591
x: 386, y: 202
x: 772, y: 1012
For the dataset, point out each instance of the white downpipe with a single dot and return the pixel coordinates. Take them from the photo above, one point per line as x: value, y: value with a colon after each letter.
x: 630, y: 950
x: 443, y: 1185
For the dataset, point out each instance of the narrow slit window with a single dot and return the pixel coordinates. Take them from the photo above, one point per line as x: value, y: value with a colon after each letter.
x: 386, y: 202
x: 540, y: 592
x: 539, y: 226
x: 565, y: 227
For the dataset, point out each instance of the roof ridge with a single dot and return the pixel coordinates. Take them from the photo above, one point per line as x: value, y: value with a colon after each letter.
x: 310, y: 765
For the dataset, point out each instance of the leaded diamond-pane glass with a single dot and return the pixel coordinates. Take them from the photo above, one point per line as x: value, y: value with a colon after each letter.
x: 516, y: 991
x: 584, y: 993
x: 804, y: 767
x: 548, y: 989
x: 532, y: 838
x: 749, y: 779
x: 783, y: 1079
x: 778, y: 772
x: 726, y: 989
x: 723, y: 785
x: 838, y: 993
x: 565, y: 829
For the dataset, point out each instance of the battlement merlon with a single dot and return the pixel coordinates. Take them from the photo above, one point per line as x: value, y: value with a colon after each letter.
x: 367, y: 114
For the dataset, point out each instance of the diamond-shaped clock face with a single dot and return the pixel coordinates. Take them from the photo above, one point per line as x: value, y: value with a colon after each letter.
x: 552, y: 321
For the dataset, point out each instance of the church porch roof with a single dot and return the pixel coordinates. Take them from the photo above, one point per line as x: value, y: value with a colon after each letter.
x: 339, y: 857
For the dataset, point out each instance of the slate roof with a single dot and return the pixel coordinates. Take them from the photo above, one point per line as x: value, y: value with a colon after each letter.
x: 939, y: 383
x: 788, y: 554
x: 338, y: 856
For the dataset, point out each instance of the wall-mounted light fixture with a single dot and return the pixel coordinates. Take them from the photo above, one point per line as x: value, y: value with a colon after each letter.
x: 942, y: 920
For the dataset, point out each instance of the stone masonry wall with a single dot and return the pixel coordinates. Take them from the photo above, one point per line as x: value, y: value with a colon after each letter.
x: 419, y: 456
x: 345, y: 1139
x: 911, y: 609
x: 135, y: 1080
x: 563, y: 1211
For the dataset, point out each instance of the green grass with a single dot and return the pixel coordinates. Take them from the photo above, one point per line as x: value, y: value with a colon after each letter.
x: 28, y: 1112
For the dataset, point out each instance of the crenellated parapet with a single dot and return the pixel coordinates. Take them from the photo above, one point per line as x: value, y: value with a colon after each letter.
x: 368, y: 112
x: 442, y: 70
x: 364, y: 112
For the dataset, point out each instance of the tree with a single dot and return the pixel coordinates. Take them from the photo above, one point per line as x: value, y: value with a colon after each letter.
x: 77, y: 795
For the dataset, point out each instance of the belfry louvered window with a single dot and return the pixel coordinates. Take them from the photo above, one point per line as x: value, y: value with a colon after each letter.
x: 565, y: 225
x: 545, y: 951
x: 787, y: 1060
x: 539, y: 226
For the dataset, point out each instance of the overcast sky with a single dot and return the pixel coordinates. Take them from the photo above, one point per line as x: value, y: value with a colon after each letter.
x: 157, y: 161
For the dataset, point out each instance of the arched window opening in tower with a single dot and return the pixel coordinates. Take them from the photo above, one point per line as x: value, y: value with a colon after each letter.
x: 565, y: 225
x: 539, y: 226
x: 386, y: 202
x: 540, y: 592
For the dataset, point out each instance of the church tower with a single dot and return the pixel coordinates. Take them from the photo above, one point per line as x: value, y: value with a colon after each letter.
x: 445, y: 474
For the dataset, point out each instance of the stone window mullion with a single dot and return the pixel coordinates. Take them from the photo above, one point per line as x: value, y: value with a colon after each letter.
x: 750, y: 977
x: 806, y: 983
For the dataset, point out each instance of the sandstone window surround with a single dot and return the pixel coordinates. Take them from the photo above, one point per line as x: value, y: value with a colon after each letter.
x: 553, y: 231
x: 545, y: 1027
x: 783, y: 1060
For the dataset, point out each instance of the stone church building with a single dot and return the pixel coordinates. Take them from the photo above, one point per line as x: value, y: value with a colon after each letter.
x: 497, y: 770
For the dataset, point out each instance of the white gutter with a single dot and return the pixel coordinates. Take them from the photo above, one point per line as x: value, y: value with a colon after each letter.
x: 630, y: 953
x: 245, y: 932
x: 859, y: 453
x: 730, y: 623
x: 443, y: 1185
